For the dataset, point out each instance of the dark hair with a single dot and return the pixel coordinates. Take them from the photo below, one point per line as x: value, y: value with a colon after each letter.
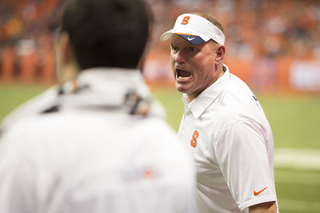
x: 106, y: 33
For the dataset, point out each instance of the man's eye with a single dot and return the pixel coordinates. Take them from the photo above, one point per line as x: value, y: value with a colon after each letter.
x: 175, y: 49
x: 191, y: 49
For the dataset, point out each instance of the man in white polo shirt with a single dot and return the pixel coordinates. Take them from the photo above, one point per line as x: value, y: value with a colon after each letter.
x: 99, y: 143
x: 223, y: 126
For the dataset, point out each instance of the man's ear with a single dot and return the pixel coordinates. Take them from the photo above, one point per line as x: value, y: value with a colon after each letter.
x: 67, y: 66
x: 220, y: 53
x: 66, y: 48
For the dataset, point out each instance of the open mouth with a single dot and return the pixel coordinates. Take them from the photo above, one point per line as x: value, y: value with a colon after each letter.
x: 181, y: 74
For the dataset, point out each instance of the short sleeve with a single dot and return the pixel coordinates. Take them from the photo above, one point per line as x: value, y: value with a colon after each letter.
x: 241, y: 153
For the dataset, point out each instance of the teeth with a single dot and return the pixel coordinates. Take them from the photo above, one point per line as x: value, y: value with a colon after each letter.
x: 180, y: 77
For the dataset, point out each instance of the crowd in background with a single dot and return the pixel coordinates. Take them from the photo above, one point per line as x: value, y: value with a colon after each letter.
x: 264, y: 28
x: 28, y: 20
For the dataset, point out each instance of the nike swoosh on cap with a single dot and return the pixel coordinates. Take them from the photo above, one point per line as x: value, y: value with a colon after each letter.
x: 192, y: 39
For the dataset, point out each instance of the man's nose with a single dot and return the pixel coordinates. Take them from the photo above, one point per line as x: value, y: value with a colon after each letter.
x: 180, y: 57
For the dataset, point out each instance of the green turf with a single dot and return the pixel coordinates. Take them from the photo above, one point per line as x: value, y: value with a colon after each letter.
x: 173, y: 104
x: 12, y: 96
x: 294, y: 121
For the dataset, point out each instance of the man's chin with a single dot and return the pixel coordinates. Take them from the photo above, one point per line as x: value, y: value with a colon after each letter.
x: 181, y: 87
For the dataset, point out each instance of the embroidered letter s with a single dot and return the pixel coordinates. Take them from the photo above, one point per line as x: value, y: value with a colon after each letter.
x: 194, y: 138
x: 185, y: 20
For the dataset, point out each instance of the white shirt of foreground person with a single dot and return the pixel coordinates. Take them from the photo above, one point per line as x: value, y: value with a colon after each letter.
x: 227, y: 133
x: 96, y: 153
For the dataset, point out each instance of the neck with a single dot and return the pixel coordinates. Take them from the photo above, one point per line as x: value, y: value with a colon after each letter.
x: 67, y: 72
x: 219, y: 74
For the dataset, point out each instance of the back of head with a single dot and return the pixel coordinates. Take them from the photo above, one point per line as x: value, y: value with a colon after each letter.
x: 106, y: 33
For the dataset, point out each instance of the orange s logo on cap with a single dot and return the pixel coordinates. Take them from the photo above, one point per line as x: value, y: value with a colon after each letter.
x: 185, y: 20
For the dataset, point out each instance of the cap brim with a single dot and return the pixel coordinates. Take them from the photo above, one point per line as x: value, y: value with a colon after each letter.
x: 196, y: 40
x: 166, y: 36
x: 185, y: 33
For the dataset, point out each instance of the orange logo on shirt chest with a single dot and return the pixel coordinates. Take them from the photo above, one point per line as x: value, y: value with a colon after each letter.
x: 194, y: 138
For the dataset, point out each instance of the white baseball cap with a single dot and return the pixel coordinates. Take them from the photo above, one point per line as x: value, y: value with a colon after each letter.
x: 195, y: 29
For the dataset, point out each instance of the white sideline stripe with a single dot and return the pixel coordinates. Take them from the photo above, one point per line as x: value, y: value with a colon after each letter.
x: 297, y: 205
x: 304, y: 159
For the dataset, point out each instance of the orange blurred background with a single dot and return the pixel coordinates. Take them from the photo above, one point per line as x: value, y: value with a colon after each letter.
x: 273, y: 45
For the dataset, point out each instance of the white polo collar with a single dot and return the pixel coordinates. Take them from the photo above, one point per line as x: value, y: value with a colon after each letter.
x: 104, y: 87
x: 208, y: 96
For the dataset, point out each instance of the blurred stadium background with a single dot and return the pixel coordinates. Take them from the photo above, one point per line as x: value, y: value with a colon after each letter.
x: 273, y: 45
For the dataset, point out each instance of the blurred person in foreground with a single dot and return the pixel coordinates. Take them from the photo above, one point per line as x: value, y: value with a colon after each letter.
x: 103, y: 146
x: 223, y: 126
